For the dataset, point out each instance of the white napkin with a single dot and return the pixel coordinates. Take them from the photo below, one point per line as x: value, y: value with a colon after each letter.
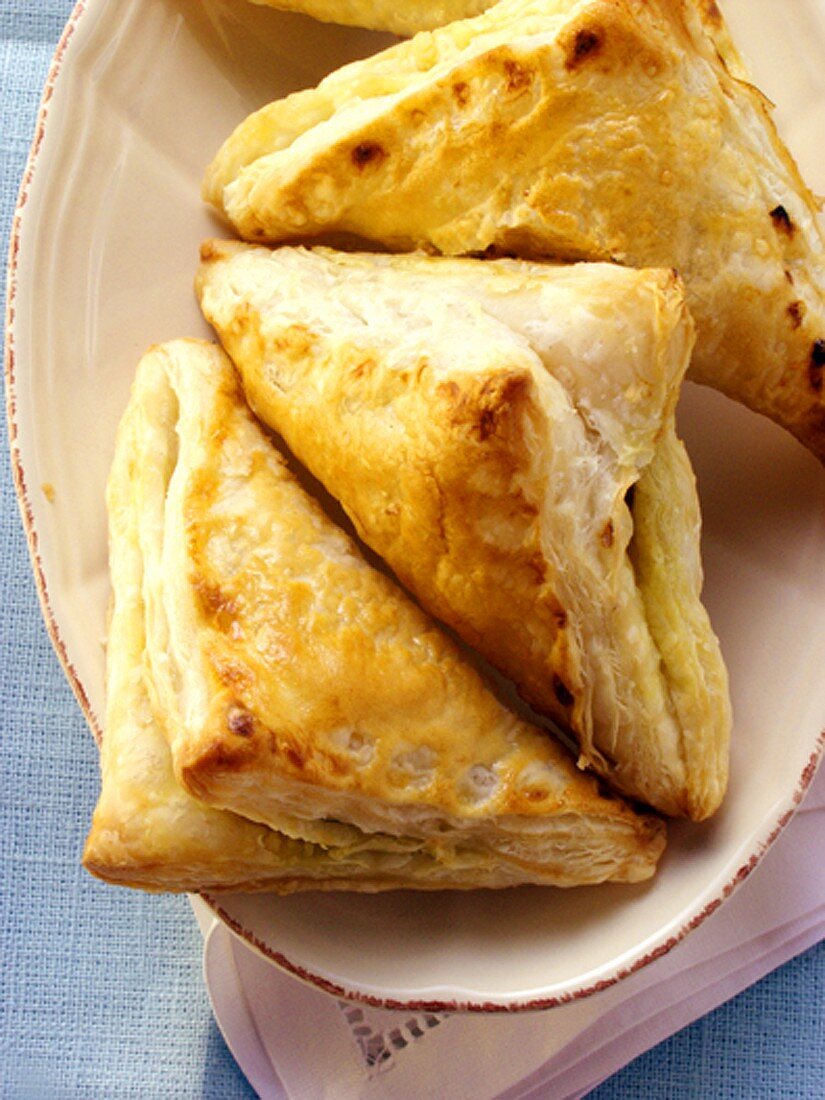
x: 294, y: 1042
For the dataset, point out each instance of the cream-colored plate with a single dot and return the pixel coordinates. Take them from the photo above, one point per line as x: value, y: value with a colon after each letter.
x: 103, y: 253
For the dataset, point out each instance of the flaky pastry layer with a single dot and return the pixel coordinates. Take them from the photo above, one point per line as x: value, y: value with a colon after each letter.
x: 484, y: 425
x: 404, y: 17
x: 622, y: 130
x: 257, y: 663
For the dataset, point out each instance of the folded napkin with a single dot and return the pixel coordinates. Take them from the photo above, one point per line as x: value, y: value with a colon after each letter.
x: 293, y: 1041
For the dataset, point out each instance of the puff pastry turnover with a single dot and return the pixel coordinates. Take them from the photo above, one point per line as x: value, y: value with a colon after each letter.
x: 621, y: 130
x: 147, y: 831
x: 257, y: 662
x: 486, y: 424
x: 397, y: 16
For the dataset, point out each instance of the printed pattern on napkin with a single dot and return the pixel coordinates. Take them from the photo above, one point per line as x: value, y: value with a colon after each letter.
x: 379, y: 1047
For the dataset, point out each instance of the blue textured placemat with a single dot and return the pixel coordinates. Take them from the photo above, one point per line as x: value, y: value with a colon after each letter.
x: 101, y: 993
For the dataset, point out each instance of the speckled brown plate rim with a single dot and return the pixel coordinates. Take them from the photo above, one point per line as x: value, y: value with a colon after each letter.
x: 531, y: 1004
x: 10, y: 367
x: 667, y: 942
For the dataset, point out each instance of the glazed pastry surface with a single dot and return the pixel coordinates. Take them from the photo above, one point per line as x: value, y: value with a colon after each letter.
x: 621, y: 130
x: 396, y: 16
x: 280, y: 715
x: 502, y: 434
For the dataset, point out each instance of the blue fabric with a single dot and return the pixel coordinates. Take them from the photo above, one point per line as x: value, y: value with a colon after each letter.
x: 101, y: 993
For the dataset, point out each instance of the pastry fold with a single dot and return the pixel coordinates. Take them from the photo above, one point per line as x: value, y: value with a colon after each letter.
x: 621, y: 130
x: 502, y: 434
x: 406, y: 17
x: 280, y: 715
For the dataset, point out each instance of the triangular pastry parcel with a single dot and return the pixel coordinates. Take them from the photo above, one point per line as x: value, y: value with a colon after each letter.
x: 147, y: 831
x: 620, y: 130
x: 294, y: 684
x: 404, y: 17
x: 502, y: 434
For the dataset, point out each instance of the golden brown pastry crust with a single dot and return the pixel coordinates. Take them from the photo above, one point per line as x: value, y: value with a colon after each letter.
x: 629, y: 132
x: 147, y: 831
x: 482, y: 424
x: 396, y: 16
x: 289, y: 679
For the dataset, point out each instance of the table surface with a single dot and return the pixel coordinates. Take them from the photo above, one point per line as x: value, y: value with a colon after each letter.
x: 101, y: 991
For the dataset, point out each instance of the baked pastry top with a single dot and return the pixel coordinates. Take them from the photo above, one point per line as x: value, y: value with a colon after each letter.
x: 502, y: 434
x: 280, y: 715
x: 629, y: 132
x: 397, y: 16
x: 147, y: 831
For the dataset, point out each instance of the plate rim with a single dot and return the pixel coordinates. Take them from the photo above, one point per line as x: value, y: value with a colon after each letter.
x: 10, y: 374
x: 568, y: 991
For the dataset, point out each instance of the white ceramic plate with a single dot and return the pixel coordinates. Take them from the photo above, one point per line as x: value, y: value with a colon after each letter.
x: 103, y: 251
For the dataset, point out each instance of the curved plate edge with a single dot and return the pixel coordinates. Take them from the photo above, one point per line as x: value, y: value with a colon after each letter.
x: 574, y: 991
x: 9, y: 367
